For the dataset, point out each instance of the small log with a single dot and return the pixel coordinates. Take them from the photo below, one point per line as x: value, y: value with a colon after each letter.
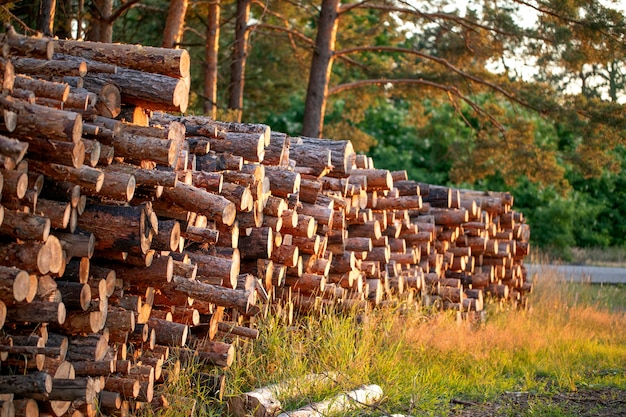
x: 263, y: 401
x: 283, y: 183
x: 172, y: 62
x: 12, y: 148
x: 26, y: 385
x: 34, y: 120
x: 224, y: 268
x: 251, y: 146
x: 342, y: 403
x: 118, y: 228
x: 43, y: 88
x: 169, y: 333
x: 195, y: 199
x: 214, y: 353
x: 58, y: 212
x: 25, y: 226
x: 242, y: 300
x: 37, y: 312
x: 84, y: 176
x: 146, y: 89
x: 65, y: 153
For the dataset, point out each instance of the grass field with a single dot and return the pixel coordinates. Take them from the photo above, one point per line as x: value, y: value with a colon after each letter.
x: 571, y: 340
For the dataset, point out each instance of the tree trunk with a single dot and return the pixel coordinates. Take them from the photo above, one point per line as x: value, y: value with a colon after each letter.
x: 101, y: 28
x: 175, y: 23
x: 45, y: 20
x: 238, y: 64
x: 211, y: 49
x: 321, y: 66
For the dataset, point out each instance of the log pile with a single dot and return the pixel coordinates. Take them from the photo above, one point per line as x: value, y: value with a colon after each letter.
x: 133, y: 237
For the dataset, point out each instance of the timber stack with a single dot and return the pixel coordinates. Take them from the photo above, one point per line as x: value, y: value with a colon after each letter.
x: 133, y: 236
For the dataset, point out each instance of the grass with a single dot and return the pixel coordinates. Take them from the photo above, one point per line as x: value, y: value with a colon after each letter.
x: 572, y: 337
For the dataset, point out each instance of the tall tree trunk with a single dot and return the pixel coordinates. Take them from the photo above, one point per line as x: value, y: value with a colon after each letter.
x: 64, y: 17
x: 211, y: 49
x: 175, y: 23
x: 321, y: 67
x: 45, y: 18
x: 238, y: 65
x: 101, y: 25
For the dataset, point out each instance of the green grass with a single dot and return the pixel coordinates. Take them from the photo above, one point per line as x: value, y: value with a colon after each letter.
x: 573, y: 336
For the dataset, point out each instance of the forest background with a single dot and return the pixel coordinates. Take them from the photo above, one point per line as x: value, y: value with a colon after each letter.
x: 525, y: 96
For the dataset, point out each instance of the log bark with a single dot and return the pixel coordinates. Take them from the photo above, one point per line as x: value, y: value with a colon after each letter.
x: 84, y: 176
x: 12, y: 148
x: 193, y: 198
x: 226, y: 297
x: 172, y: 62
x: 28, y: 46
x: 15, y: 284
x: 145, y: 89
x: 26, y: 385
x: 43, y: 88
x: 35, y: 121
x: 25, y: 226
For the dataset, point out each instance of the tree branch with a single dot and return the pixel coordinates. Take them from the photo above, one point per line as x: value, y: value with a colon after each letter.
x: 120, y: 10
x: 305, y: 39
x: 443, y: 62
x: 347, y: 7
x: 450, y: 90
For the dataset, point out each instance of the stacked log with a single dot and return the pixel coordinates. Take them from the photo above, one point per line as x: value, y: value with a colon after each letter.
x: 130, y: 233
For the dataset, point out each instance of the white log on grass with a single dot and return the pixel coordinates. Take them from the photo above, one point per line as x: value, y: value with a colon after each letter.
x: 262, y: 402
x: 365, y: 395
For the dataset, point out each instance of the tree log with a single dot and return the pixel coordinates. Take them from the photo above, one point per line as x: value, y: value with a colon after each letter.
x: 192, y: 198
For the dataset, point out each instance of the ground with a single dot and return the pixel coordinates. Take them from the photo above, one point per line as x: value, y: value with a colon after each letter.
x: 605, y: 402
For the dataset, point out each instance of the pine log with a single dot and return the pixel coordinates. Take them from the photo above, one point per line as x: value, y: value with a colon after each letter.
x: 212, y: 162
x: 26, y: 407
x: 223, y: 268
x: 25, y: 226
x: 37, y: 312
x: 65, y: 153
x: 342, y: 153
x: 15, y: 284
x: 34, y: 120
x: 7, y: 71
x: 158, y: 273
x: 77, y: 245
x: 215, y: 353
x: 146, y: 89
x: 118, y: 228
x: 342, y: 403
x: 283, y: 183
x: 12, y: 148
x: 126, y: 386
x: 169, y: 333
x: 239, y: 299
x: 26, y: 385
x: 258, y: 245
x: 84, y: 176
x: 172, y: 62
x: 43, y: 88
x: 81, y: 99
x: 213, y: 206
x: 251, y: 146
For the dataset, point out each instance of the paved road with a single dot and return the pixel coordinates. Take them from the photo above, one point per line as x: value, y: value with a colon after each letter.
x: 593, y: 274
